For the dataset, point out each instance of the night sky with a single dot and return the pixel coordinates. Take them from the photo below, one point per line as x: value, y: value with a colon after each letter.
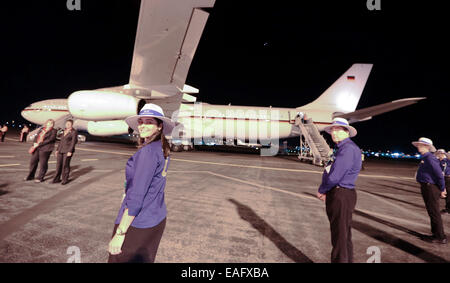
x: 256, y: 53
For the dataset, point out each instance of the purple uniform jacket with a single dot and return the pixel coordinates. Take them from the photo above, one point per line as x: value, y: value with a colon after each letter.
x: 430, y: 171
x: 145, y: 182
x: 445, y: 166
x: 345, y: 168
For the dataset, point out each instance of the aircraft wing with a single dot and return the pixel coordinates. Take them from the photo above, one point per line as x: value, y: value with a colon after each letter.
x: 367, y: 113
x: 167, y: 37
x: 168, y: 104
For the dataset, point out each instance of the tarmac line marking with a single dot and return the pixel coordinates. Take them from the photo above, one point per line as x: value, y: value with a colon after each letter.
x: 105, y: 151
x: 9, y: 165
x: 401, y: 220
x: 249, y: 183
x: 285, y: 169
x: 408, y: 212
x: 52, y: 162
x: 6, y: 156
x: 386, y: 177
x: 254, y: 167
x: 85, y: 160
x: 15, y: 224
x: 248, y: 166
x: 393, y: 218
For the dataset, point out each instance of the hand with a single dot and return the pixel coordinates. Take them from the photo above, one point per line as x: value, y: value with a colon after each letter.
x: 69, y: 154
x: 36, y: 144
x: 444, y: 194
x: 322, y: 197
x: 115, y: 245
x: 56, y: 153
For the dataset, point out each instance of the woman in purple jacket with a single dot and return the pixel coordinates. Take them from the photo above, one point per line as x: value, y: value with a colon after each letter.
x: 142, y: 216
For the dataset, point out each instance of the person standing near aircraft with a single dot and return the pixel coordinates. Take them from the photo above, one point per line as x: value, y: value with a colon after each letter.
x: 24, y: 133
x: 142, y: 216
x: 338, y: 189
x: 3, y: 131
x: 432, y: 186
x: 64, y: 153
x: 44, y: 143
x: 445, y: 166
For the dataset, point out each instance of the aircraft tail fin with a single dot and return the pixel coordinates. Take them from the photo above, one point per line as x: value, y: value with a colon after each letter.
x: 167, y: 37
x: 343, y: 96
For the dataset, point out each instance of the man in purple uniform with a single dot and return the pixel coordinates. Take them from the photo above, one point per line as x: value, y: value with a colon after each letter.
x: 445, y: 166
x: 432, y: 186
x: 338, y: 188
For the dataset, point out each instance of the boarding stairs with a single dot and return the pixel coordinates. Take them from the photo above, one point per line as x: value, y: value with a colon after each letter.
x: 313, y: 145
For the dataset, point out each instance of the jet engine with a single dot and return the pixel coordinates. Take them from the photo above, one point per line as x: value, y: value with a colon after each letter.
x: 107, y: 128
x: 103, y: 105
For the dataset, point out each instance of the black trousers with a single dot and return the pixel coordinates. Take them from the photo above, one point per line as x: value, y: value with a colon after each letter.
x: 37, y: 157
x: 62, y: 166
x: 3, y: 135
x: 23, y: 137
x: 447, y: 199
x: 340, y: 204
x: 431, y: 195
x: 140, y: 245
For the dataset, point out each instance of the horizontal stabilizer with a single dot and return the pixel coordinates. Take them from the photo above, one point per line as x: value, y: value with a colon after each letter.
x: 369, y: 112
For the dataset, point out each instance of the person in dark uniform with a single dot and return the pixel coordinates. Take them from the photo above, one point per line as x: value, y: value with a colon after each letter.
x: 64, y: 153
x: 44, y: 143
x: 3, y: 131
x: 338, y: 188
x: 432, y: 186
x: 141, y: 220
x: 445, y: 166
x: 24, y: 133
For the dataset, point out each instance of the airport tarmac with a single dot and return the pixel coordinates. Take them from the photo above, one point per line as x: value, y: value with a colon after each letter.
x: 222, y: 208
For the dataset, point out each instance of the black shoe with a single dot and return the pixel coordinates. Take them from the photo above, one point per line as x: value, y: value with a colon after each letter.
x: 27, y: 179
x: 444, y: 211
x: 439, y: 241
x: 434, y: 240
x: 56, y: 181
x: 64, y: 182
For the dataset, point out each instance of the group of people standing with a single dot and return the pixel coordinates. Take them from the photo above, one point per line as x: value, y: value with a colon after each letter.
x: 23, y: 133
x: 338, y: 187
x: 42, y: 148
x: 141, y: 219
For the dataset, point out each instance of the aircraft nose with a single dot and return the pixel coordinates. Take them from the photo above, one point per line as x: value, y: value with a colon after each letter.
x: 27, y: 113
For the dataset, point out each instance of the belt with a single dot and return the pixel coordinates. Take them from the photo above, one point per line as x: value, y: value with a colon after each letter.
x: 339, y: 187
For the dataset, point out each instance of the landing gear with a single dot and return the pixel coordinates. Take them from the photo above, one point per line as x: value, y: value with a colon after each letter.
x: 179, y: 147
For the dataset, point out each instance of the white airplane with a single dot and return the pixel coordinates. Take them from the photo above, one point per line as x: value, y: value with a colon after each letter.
x: 167, y: 37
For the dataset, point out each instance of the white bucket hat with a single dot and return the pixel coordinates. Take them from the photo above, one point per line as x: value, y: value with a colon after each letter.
x: 425, y: 141
x: 341, y: 122
x: 442, y: 151
x: 151, y: 110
